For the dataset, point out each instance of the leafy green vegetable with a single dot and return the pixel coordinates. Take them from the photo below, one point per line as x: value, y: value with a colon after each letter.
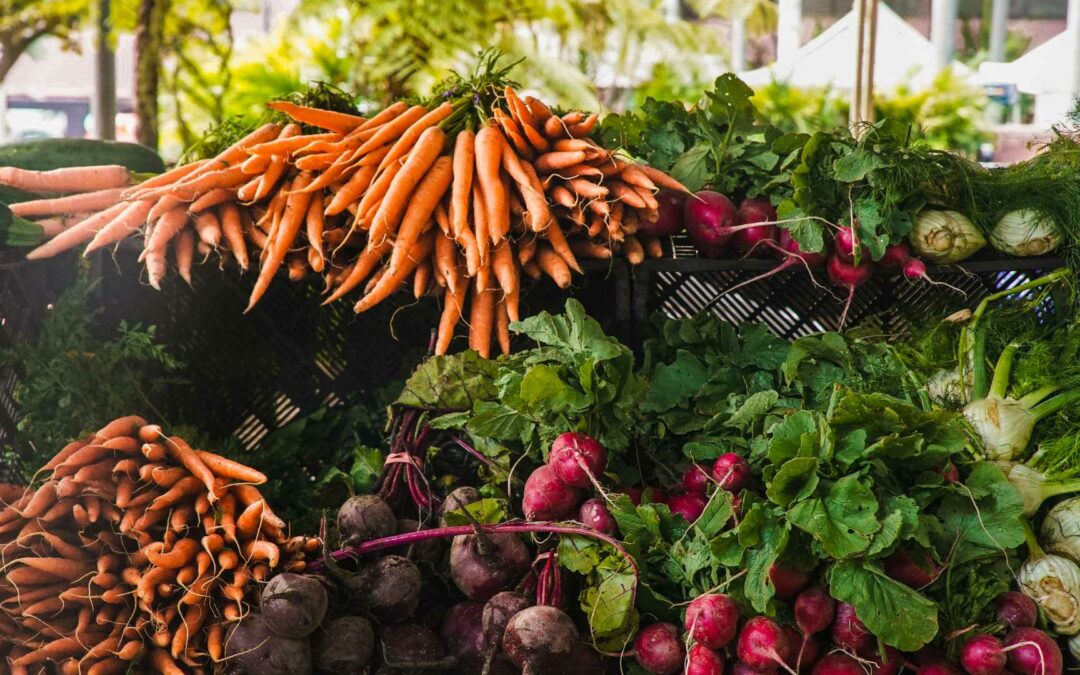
x: 896, y: 613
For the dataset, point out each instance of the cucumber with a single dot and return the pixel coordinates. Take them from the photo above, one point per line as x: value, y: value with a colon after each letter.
x: 58, y: 153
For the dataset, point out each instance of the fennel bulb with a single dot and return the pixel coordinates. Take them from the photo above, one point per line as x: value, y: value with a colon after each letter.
x: 1053, y: 582
x: 1003, y: 424
x: 946, y: 388
x: 1035, y: 486
x: 945, y: 236
x: 1025, y: 232
x: 1074, y: 646
x: 1061, y: 529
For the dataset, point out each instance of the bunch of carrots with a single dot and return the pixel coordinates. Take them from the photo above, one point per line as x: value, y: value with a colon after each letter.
x: 136, y: 548
x: 412, y: 197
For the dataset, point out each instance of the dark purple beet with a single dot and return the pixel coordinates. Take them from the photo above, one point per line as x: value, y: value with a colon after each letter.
x: 481, y: 576
x: 708, y: 216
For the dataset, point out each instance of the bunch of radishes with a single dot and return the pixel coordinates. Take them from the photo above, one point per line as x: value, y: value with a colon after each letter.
x: 555, y: 490
x: 730, y: 472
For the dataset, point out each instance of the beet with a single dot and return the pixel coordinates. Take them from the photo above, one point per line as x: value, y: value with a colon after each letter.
x: 712, y: 619
x: 583, y: 660
x: 690, y: 506
x: 703, y: 661
x: 344, y: 646
x: 363, y: 518
x: 914, y: 568
x: 540, y: 638
x: 577, y: 459
x: 708, y: 217
x: 848, y: 631
x: 481, y: 576
x: 658, y: 649
x: 757, y: 212
x: 497, y: 613
x: 696, y: 480
x: 293, y: 605
x: 547, y: 497
x: 410, y: 645
x: 731, y: 472
x: 837, y: 663
x: 393, y: 588
x: 251, y: 648
x: 594, y: 513
x: 1041, y: 656
x: 983, y: 655
x: 428, y: 550
x: 1016, y: 610
x: 787, y: 581
x: 458, y: 499
x: 462, y: 632
x: 670, y: 219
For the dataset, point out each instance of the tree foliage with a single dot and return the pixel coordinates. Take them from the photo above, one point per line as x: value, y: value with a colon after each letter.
x: 24, y: 21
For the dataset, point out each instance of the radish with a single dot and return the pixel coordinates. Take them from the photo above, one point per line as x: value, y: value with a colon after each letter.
x: 1033, y: 652
x: 690, y: 506
x: 577, y: 459
x: 950, y: 473
x: 703, y: 661
x: 741, y: 668
x: 1016, y: 610
x: 983, y: 655
x: 634, y: 494
x: 914, y: 568
x: 838, y: 663
x: 938, y: 668
x: 792, y: 255
x: 696, y: 479
x: 848, y: 276
x: 594, y: 513
x: 546, y: 497
x: 654, y: 495
x: 709, y: 217
x: 808, y: 648
x: 669, y: 221
x: 762, y: 643
x: 814, y: 611
x: 848, y: 631
x: 891, y: 665
x: 844, y: 243
x: 731, y: 472
x: 658, y: 650
x: 895, y: 256
x: 712, y: 619
x: 761, y: 214
x: 787, y: 581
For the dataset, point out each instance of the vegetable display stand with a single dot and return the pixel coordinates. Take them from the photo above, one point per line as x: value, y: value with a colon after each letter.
x: 792, y: 306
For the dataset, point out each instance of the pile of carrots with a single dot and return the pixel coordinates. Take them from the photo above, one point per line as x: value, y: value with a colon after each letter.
x: 136, y: 548
x: 411, y: 197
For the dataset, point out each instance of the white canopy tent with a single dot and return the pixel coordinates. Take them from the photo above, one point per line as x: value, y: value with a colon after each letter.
x: 902, y: 56
x: 1040, y: 72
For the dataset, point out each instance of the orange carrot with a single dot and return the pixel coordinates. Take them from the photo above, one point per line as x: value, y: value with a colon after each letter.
x: 539, y: 214
x: 167, y: 228
x: 483, y: 241
x: 261, y: 550
x: 70, y: 179
x: 502, y: 325
x: 163, y: 663
x: 78, y: 203
x: 538, y: 109
x: 464, y: 159
x: 289, y: 144
x: 388, y: 113
x: 392, y: 129
x: 210, y: 199
x: 162, y: 205
x: 361, y: 269
x: 422, y: 279
x: 230, y: 470
x: 489, y: 143
x: 390, y: 282
x: 413, y: 134
x: 317, y: 117
x: 446, y: 269
x: 513, y: 133
x: 314, y: 224
x: 208, y: 227
x: 585, y: 248
x: 295, y: 209
x: 126, y: 223
x: 232, y: 229
x: 173, y: 175
x: 553, y: 161
x: 505, y: 268
x: 352, y: 190
x: 584, y: 127
x: 417, y: 220
x: 184, y: 245
x: 633, y: 250
x: 453, y: 304
x: 254, y: 165
x: 408, y: 179
x: 660, y: 178
x: 180, y: 451
x: 370, y: 202
x: 188, y: 191
x: 215, y: 641
x: 555, y: 237
x: 77, y: 233
x: 481, y: 318
x: 553, y: 265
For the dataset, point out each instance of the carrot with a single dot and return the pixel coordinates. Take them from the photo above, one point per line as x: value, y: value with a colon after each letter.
x: 411, y: 176
x: 190, y: 624
x: 173, y: 175
x: 530, y: 188
x: 215, y: 639
x: 319, y: 162
x: 563, y: 197
x: 189, y: 191
x: 55, y: 650
x: 480, y: 225
x: 126, y: 223
x: 163, y: 663
x: 69, y: 179
x: 237, y: 152
x: 464, y: 160
x: 660, y: 178
x: 317, y: 117
x: 554, y: 127
x: 375, y: 194
x: 489, y: 143
x: 42, y: 500
x: 526, y: 249
x: 289, y: 144
x: 167, y: 228
x: 314, y: 223
x: 417, y: 219
x: 584, y: 127
x: 481, y: 316
x: 261, y: 550
x: 61, y: 568
x: 583, y: 187
x: 553, y: 265
x: 453, y: 304
x: 77, y: 233
x: 250, y: 520
x: 352, y: 191
x: 505, y: 269
x: 129, y: 426
x: 295, y: 209
x: 230, y: 470
x: 422, y: 279
x: 78, y: 203
x: 446, y: 269
x: 633, y: 250
x: 181, y: 452
x: 555, y: 237
x: 585, y: 248
x: 361, y: 269
x: 554, y: 161
x: 391, y: 281
x: 412, y: 135
x: 502, y: 325
x: 182, y: 553
x: 537, y: 109
x: 254, y: 165
x: 232, y: 229
x: 184, y: 245
x: 392, y: 129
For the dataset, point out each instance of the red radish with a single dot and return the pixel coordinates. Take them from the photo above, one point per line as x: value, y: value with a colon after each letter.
x: 787, y: 581
x: 814, y: 611
x: 658, y: 650
x: 838, y: 663
x: 914, y: 568
x: 548, y: 498
x: 844, y: 243
x: 654, y: 495
x: 731, y: 472
x: 895, y: 256
x: 1033, y: 652
x: 950, y: 473
x: 594, y: 513
x: 1016, y: 610
x: 758, y: 212
x: 577, y: 459
x: 938, y: 668
x: 891, y: 665
x: 741, y: 668
x: 708, y: 217
x: 712, y: 619
x: 703, y: 661
x: 848, y: 276
x: 696, y: 479
x: 983, y: 655
x: 670, y: 219
x: 690, y: 506
x: 634, y: 493
x: 762, y: 643
x: 848, y: 631
x: 807, y: 653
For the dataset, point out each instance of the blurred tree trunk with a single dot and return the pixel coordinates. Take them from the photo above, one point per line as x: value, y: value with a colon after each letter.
x: 149, y: 25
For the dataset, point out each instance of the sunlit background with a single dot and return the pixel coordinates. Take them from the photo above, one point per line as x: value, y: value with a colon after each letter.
x: 985, y: 77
